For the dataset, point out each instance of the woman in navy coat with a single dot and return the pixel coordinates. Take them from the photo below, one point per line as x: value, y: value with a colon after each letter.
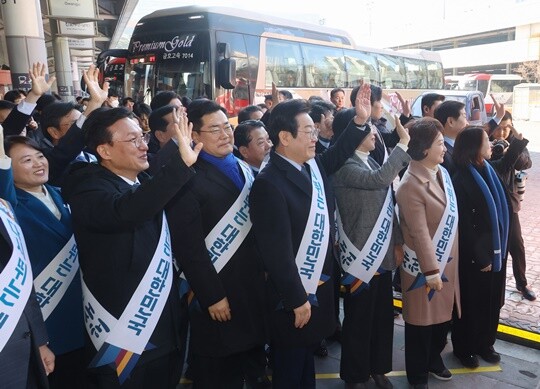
x: 46, y: 223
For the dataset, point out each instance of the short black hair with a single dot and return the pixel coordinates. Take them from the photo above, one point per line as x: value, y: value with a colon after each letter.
x: 423, y: 133
x: 156, y: 121
x: 140, y: 109
x: 335, y: 90
x: 242, y: 132
x: 13, y: 140
x: 13, y: 95
x: 449, y: 108
x: 283, y: 118
x: 45, y: 100
x: 286, y: 94
x: 376, y: 94
x: 52, y: 114
x: 354, y: 93
x: 246, y: 112
x: 126, y: 99
x: 342, y: 120
x: 163, y: 98
x: 319, y: 108
x: 429, y: 99
x: 96, y: 126
x: 201, y: 107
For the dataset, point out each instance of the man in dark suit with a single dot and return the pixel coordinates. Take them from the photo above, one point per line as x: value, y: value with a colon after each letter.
x: 286, y: 222
x: 124, y: 251
x: 25, y: 359
x: 453, y: 117
x: 221, y: 266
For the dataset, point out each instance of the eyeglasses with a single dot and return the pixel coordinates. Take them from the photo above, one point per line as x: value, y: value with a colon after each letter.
x: 137, y: 141
x: 217, y: 132
x: 313, y: 134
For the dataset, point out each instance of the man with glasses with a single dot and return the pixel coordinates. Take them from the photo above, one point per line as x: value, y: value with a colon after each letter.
x: 130, y: 292
x: 292, y: 210
x: 212, y: 239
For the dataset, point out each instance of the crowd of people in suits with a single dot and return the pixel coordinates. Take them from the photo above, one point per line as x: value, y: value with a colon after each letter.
x: 160, y: 236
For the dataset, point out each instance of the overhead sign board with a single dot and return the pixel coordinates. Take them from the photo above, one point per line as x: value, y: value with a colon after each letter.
x: 77, y: 29
x: 87, y: 43
x: 72, y: 9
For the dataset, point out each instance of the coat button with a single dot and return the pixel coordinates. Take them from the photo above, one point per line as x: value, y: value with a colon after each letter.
x: 474, y: 210
x: 27, y: 334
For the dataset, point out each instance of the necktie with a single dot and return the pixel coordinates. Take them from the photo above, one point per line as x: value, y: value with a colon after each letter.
x: 306, y: 173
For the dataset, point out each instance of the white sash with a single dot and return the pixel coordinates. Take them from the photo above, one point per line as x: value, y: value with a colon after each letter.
x: 312, y: 251
x: 363, y: 264
x: 14, y: 288
x: 229, y: 233
x: 135, y: 326
x: 443, y: 240
x: 53, y: 281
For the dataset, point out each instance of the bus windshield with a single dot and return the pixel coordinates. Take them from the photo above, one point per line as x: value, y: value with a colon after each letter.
x: 168, y: 65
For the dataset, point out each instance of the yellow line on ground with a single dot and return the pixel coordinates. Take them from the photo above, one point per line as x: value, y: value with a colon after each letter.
x: 332, y: 376
x: 523, y: 334
x: 481, y: 369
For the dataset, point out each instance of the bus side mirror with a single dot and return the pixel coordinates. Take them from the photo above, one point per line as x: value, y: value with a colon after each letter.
x: 227, y: 73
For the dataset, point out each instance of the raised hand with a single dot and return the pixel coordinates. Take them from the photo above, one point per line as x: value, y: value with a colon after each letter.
x: 97, y: 94
x: 40, y: 85
x: 183, y: 131
x: 362, y: 105
x: 402, y: 132
x: 515, y: 133
x: 275, y: 96
x: 499, y: 108
x: 405, y: 105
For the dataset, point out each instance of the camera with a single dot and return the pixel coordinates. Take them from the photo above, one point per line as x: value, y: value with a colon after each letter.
x: 498, y: 147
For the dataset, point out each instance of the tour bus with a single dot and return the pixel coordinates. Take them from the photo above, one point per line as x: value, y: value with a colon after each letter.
x: 500, y: 85
x: 233, y: 57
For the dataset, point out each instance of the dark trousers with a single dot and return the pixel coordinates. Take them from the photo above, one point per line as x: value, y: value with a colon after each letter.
x: 218, y: 372
x: 255, y: 364
x: 294, y: 368
x: 482, y: 296
x: 337, y: 289
x: 423, y: 347
x: 69, y: 370
x: 368, y: 331
x: 517, y: 251
x: 163, y: 373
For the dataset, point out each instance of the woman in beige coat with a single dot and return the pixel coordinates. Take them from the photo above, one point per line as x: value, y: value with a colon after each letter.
x: 429, y: 273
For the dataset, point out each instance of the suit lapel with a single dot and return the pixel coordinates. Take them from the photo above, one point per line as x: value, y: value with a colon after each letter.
x: 292, y: 173
x: 62, y: 226
x: 214, y: 175
x: 434, y: 188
